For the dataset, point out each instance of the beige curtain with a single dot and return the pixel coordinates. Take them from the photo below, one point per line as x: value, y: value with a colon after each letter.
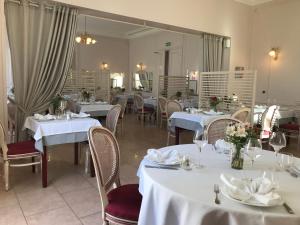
x: 42, y: 39
x: 213, y: 53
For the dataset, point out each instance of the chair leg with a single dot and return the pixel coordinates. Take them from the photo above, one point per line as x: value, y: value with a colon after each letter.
x: 6, y: 175
x: 33, y: 166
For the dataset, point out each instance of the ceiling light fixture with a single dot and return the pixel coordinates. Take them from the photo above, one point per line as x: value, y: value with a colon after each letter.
x: 85, y: 38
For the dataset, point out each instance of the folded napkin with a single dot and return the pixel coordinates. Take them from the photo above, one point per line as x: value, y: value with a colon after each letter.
x: 211, y: 112
x: 163, y: 157
x: 38, y: 116
x: 80, y: 115
x: 260, y: 189
x: 224, y: 146
x: 296, y: 169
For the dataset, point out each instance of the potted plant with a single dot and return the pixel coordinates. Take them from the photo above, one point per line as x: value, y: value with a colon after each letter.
x: 55, y: 102
x: 85, y: 95
x: 214, y: 102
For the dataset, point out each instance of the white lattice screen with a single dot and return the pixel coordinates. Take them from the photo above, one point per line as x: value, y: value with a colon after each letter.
x: 240, y: 85
x: 98, y: 85
x: 170, y: 85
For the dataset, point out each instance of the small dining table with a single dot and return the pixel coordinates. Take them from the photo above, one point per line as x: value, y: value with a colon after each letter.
x: 58, y: 131
x: 95, y: 108
x: 181, y: 197
x: 191, y: 121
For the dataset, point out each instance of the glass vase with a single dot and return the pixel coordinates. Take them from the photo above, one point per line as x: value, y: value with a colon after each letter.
x: 237, y: 159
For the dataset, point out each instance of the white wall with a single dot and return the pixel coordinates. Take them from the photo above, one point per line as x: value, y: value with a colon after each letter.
x: 114, y: 51
x: 277, y: 25
x: 224, y: 17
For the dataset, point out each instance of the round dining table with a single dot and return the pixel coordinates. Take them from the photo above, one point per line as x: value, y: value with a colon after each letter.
x: 186, y: 197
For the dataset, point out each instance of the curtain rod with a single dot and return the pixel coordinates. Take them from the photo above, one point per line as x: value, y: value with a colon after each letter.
x: 31, y: 3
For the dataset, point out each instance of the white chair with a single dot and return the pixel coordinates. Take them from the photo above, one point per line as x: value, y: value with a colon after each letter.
x: 142, y: 111
x: 120, y: 205
x: 123, y: 102
x: 171, y: 107
x: 242, y: 114
x: 17, y: 151
x: 216, y: 129
x: 162, y: 107
x: 268, y: 120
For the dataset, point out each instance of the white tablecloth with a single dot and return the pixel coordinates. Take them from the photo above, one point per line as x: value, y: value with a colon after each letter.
x: 96, y: 109
x: 179, y: 197
x: 190, y: 121
x: 59, y: 129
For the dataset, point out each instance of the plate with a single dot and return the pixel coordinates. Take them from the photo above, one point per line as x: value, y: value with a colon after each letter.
x: 250, y: 202
x: 43, y: 120
x: 213, y: 113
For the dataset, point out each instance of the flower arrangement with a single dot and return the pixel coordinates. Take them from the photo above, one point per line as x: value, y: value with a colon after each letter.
x: 214, y: 101
x: 55, y: 102
x: 85, y: 95
x: 238, y: 134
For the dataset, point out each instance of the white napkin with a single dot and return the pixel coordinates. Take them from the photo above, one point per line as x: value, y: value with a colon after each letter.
x: 163, y: 157
x: 260, y: 189
x: 222, y: 145
x: 80, y: 115
x: 38, y: 116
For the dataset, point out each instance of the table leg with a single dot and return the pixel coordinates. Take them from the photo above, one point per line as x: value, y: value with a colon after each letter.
x: 75, y: 153
x: 33, y: 166
x: 92, y: 168
x: 44, y: 168
x: 177, y: 129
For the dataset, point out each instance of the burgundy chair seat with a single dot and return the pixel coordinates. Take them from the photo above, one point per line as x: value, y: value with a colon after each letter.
x: 22, y: 148
x: 146, y: 110
x: 124, y: 202
x: 290, y: 126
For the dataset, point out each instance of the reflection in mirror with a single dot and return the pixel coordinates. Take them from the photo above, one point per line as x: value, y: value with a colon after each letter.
x: 142, y: 81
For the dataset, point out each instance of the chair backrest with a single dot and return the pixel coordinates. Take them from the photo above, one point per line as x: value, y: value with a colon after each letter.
x: 106, y: 158
x: 138, y: 102
x: 268, y: 120
x: 112, y: 118
x: 172, y: 106
x: 216, y: 129
x: 3, y: 145
x: 297, y: 115
x: 123, y: 102
x: 162, y: 103
x: 242, y: 114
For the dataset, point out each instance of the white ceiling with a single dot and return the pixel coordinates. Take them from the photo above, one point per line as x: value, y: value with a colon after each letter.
x: 98, y: 26
x: 253, y: 2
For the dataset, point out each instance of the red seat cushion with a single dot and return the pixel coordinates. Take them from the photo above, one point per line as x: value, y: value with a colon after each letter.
x: 124, y: 202
x: 290, y: 126
x: 19, y: 148
x: 146, y: 109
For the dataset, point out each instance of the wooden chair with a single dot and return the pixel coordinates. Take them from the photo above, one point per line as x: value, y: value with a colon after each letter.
x: 171, y: 107
x: 242, y: 114
x: 142, y: 111
x: 162, y: 108
x: 267, y: 121
x: 11, y: 108
x: 112, y: 118
x: 216, y: 129
x: 17, y: 151
x: 123, y: 102
x: 120, y: 205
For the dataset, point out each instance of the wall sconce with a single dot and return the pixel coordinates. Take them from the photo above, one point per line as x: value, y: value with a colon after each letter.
x: 274, y: 53
x: 141, y: 66
x: 104, y: 66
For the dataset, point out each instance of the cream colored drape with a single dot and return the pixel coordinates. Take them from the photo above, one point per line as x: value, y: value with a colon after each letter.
x: 213, y: 53
x: 42, y: 40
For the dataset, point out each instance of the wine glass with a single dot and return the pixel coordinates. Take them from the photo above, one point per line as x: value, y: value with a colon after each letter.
x: 277, y: 141
x: 253, y: 149
x: 197, y: 139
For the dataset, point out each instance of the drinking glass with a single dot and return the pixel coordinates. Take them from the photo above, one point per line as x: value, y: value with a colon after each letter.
x: 253, y: 149
x: 277, y: 141
x: 197, y: 139
x: 286, y: 161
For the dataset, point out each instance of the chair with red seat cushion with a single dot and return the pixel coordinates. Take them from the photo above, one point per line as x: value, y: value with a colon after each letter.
x: 15, y: 151
x: 122, y: 204
x: 171, y: 107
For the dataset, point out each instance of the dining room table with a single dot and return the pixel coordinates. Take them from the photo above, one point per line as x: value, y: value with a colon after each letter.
x: 179, y: 121
x: 95, y: 109
x: 180, y: 196
x: 58, y: 131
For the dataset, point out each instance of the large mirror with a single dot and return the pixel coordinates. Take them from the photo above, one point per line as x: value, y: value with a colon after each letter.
x: 143, y: 81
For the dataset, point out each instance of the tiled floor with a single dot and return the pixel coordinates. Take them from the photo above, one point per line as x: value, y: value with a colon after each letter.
x: 72, y: 196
